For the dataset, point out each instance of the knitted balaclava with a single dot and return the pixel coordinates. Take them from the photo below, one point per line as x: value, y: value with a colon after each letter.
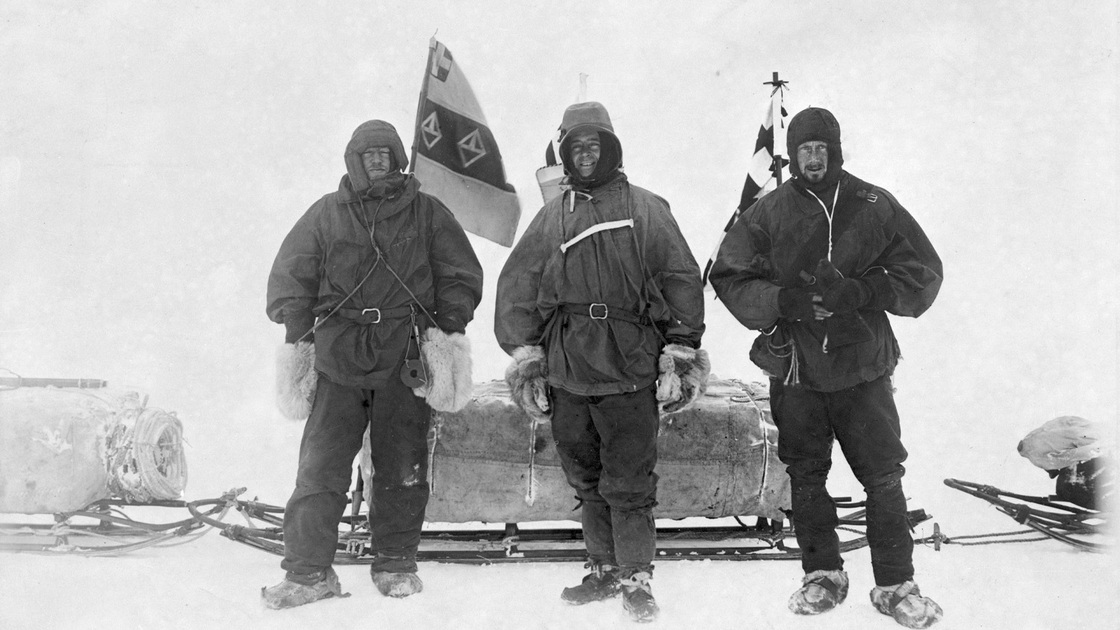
x: 815, y: 123
x: 590, y: 116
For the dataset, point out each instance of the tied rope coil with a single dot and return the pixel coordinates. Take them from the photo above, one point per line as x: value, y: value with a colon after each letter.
x: 145, y: 458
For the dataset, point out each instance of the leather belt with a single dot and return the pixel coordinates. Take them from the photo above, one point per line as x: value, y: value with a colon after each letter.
x: 375, y: 315
x: 598, y: 310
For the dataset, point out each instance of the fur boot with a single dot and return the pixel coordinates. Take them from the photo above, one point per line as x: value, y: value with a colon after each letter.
x: 295, y: 379
x: 683, y: 376
x: 447, y: 358
x: 527, y: 377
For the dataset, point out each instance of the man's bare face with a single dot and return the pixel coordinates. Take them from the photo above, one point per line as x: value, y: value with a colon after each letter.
x: 812, y: 159
x: 585, y: 151
x: 378, y: 162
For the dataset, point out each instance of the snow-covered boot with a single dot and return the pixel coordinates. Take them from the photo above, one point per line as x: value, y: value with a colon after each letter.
x: 601, y: 583
x: 906, y: 604
x: 299, y: 589
x: 820, y: 592
x: 397, y: 584
x: 637, y: 597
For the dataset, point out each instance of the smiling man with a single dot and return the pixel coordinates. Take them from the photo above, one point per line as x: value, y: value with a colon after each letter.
x: 815, y: 266
x: 602, y: 308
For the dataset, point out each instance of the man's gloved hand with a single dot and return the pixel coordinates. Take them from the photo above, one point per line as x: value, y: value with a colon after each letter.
x: 797, y: 304
x: 682, y: 376
x: 298, y: 323
x: 447, y: 362
x: 826, y: 273
x: 296, y: 379
x: 847, y: 295
x: 527, y: 377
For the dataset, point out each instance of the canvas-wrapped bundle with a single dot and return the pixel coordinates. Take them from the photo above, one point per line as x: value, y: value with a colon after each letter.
x: 715, y: 459
x: 62, y: 449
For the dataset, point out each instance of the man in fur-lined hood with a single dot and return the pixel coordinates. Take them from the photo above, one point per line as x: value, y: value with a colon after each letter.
x: 375, y: 285
x: 601, y: 306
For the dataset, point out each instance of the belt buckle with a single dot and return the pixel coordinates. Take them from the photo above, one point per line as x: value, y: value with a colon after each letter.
x: 375, y: 310
x: 591, y: 311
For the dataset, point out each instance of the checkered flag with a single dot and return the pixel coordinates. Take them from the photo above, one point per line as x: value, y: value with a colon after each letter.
x: 765, y: 170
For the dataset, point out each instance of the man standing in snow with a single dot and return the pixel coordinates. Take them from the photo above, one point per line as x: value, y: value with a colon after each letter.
x: 393, y: 281
x: 816, y: 265
x: 601, y: 306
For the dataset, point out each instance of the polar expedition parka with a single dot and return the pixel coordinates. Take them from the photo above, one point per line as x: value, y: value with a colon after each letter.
x: 777, y: 243
x: 384, y: 246
x: 602, y: 278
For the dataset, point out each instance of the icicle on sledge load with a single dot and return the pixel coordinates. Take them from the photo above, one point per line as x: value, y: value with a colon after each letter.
x: 65, y: 444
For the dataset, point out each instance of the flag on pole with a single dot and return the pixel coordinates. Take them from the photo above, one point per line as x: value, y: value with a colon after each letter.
x: 765, y: 170
x: 454, y: 155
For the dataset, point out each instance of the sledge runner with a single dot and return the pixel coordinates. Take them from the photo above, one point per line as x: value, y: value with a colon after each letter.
x: 815, y: 266
x: 599, y: 300
x: 375, y: 286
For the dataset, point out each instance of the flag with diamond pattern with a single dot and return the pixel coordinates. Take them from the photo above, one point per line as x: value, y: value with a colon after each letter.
x: 454, y: 155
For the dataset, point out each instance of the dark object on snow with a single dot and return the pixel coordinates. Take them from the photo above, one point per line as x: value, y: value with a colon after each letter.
x: 1087, y: 483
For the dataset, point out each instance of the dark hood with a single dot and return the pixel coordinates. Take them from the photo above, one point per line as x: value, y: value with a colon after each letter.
x: 815, y: 123
x: 590, y: 116
x: 374, y: 133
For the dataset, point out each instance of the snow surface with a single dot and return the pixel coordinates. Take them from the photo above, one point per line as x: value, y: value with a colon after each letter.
x: 152, y: 157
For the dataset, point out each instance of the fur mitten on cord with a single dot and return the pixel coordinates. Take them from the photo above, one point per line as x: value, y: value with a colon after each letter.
x: 295, y: 379
x: 447, y: 360
x: 527, y: 377
x: 683, y: 376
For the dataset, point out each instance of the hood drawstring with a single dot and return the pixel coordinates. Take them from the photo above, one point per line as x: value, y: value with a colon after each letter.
x: 828, y: 214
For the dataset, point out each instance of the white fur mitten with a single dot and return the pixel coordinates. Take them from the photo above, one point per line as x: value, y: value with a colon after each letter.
x: 295, y: 379
x: 447, y: 358
x: 527, y: 377
x: 683, y: 376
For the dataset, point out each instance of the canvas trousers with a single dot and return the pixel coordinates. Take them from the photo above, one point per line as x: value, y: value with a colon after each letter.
x: 864, y: 420
x: 398, y: 422
x: 608, y: 449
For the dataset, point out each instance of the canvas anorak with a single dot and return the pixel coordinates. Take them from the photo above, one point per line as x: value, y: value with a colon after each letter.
x: 646, y: 271
x: 778, y: 242
x: 386, y: 229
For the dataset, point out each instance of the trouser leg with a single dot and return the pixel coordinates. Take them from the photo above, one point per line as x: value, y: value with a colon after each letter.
x: 578, y: 447
x: 332, y: 437
x: 628, y: 425
x: 869, y: 433
x: 399, y: 422
x: 805, y: 445
x: 608, y: 449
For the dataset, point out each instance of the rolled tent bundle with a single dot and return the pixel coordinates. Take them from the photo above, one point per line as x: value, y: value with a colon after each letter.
x: 64, y: 448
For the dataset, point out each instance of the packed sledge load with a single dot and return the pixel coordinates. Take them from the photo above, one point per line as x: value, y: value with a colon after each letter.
x: 489, y: 463
x: 62, y: 448
x: 87, y: 455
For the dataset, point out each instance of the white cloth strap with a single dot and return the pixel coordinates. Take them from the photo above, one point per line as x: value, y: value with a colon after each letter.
x: 598, y: 227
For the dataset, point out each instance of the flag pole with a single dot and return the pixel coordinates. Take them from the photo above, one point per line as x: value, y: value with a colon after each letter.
x: 432, y: 45
x: 777, y: 97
